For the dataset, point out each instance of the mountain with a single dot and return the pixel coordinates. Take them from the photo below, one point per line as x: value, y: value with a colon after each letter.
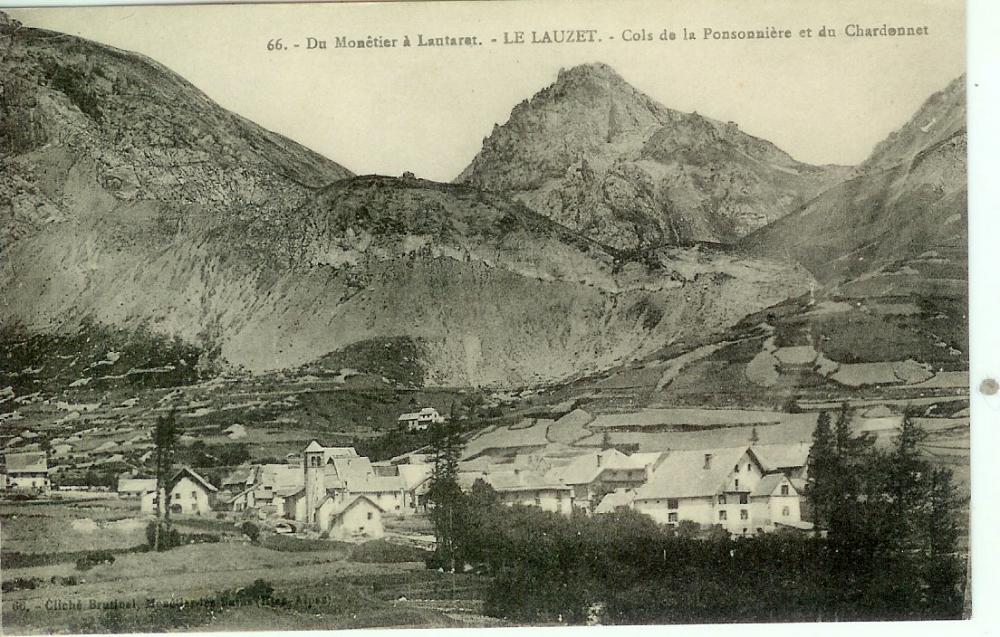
x: 139, y: 207
x: 595, y: 154
x: 904, y: 209
x: 91, y: 132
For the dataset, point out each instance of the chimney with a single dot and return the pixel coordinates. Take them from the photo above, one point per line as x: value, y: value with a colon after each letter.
x: 708, y: 461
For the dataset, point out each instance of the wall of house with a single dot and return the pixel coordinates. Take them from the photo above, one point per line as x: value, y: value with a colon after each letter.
x: 554, y: 500
x: 779, y: 505
x: 698, y: 509
x: 390, y: 501
x: 147, y: 503
x: 744, y: 476
x: 191, y: 496
x: 362, y: 521
x: 28, y: 480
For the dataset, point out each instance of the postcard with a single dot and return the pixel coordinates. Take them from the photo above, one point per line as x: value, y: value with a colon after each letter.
x: 483, y: 314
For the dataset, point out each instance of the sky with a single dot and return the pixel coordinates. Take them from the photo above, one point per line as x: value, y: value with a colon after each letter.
x: 427, y: 109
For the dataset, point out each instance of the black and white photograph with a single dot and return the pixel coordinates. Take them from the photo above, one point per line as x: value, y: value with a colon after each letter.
x: 483, y: 314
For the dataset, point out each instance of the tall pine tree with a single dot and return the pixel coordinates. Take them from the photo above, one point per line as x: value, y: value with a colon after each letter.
x: 821, y: 471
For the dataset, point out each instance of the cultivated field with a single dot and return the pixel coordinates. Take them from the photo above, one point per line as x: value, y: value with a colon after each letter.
x: 209, y: 586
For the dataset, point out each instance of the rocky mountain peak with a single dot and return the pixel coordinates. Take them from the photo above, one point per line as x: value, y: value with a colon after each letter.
x: 654, y: 175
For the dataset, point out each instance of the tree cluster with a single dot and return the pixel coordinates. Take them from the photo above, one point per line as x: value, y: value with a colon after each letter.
x: 887, y: 505
x: 887, y: 550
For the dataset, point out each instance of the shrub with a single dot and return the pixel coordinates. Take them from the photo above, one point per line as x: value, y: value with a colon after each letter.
x: 169, y: 538
x: 252, y: 531
x: 20, y: 584
x: 94, y: 558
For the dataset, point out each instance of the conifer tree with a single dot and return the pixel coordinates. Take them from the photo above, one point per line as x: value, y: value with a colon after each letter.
x: 821, y: 469
x: 165, y: 436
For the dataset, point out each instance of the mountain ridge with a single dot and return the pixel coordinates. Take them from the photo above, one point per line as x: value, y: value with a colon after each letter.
x: 596, y: 154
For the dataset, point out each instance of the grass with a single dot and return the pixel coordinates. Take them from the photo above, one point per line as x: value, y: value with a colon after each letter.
x: 288, y: 543
x: 380, y: 551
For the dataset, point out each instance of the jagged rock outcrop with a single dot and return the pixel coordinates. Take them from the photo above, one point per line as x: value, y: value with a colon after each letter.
x: 592, y: 152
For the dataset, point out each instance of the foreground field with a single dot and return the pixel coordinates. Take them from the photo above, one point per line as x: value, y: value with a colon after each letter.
x: 281, y: 583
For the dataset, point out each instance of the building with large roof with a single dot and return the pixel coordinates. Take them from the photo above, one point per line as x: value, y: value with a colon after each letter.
x: 27, y: 471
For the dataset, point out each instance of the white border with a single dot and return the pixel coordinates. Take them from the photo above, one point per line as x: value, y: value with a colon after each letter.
x: 983, y: 80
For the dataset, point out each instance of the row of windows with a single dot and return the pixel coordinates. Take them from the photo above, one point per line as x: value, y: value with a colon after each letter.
x: 744, y: 514
x: 744, y: 497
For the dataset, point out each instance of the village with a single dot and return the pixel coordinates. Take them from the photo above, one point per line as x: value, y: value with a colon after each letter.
x: 331, y: 490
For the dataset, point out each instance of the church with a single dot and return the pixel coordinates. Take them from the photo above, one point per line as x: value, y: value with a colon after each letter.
x: 340, y: 495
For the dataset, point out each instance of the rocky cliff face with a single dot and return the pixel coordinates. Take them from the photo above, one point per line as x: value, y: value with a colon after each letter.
x: 908, y: 199
x: 593, y: 153
x: 135, y: 203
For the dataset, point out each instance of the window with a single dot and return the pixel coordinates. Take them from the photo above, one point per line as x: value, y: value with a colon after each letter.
x: 722, y: 515
x: 538, y: 501
x: 722, y: 498
x: 737, y: 482
x: 194, y: 495
x: 671, y: 517
x: 784, y: 512
x: 743, y: 498
x: 369, y: 515
x: 748, y: 466
x: 671, y: 503
x: 736, y: 468
x: 744, y: 515
x: 784, y: 489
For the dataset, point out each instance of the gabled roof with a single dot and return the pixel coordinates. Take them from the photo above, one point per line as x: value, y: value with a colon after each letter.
x: 344, y: 469
x: 373, y: 484
x: 683, y: 474
x: 588, y: 467
x: 614, y: 500
x: 782, y: 456
x: 27, y: 462
x: 521, y: 480
x: 348, y: 504
x: 195, y: 476
x: 769, y: 484
x: 330, y: 452
x: 279, y: 475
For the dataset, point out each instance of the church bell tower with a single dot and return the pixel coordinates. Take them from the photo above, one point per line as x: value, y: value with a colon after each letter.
x: 312, y: 466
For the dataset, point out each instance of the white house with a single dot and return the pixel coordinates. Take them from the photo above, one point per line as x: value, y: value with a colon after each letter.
x: 775, y: 503
x: 707, y: 486
x: 350, y: 518
x: 524, y: 487
x: 190, y: 493
x: 420, y: 420
x: 135, y: 487
x: 27, y: 471
x: 729, y: 487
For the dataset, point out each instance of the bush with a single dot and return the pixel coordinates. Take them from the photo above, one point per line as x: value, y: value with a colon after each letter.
x: 169, y: 538
x: 252, y: 531
x: 94, y: 558
x: 20, y: 584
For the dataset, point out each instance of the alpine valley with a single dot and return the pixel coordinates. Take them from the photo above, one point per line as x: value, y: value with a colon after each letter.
x: 600, y: 247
